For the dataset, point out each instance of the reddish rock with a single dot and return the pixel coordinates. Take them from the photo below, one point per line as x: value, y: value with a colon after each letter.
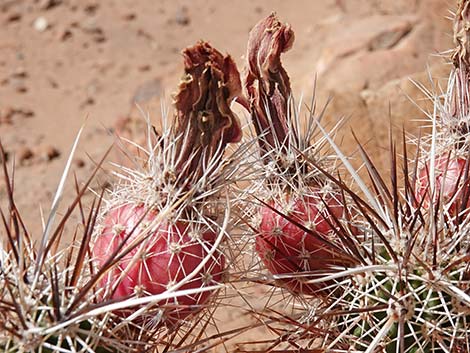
x: 79, y: 162
x: 24, y: 154
x: 50, y: 153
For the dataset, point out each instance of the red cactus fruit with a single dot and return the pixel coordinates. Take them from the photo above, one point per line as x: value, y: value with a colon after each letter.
x: 451, y: 184
x: 167, y: 255
x: 287, y: 248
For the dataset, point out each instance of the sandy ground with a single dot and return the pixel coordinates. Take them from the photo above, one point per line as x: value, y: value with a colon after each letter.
x: 65, y: 63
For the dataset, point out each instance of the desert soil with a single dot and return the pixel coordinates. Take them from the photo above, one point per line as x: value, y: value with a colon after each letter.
x: 69, y: 63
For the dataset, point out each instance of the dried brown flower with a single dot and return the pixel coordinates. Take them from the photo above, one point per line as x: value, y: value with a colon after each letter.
x: 204, y: 122
x: 267, y: 82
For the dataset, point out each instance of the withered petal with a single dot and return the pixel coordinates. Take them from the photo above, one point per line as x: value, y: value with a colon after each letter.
x: 267, y: 82
x: 203, y: 114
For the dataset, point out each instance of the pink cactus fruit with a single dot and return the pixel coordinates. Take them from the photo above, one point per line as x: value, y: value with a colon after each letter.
x: 449, y: 176
x: 296, y: 237
x: 165, y: 255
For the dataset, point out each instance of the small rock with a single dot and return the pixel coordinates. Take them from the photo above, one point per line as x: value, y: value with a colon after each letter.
x: 20, y: 72
x: 13, y: 17
x: 24, y: 154
x: 144, y: 68
x: 182, y: 16
x: 87, y: 102
x: 99, y: 38
x: 64, y: 34
x: 41, y: 24
x: 25, y: 112
x: 91, y: 9
x: 50, y: 153
x: 53, y: 82
x: 48, y: 4
x: 129, y: 16
x: 96, y: 32
x: 21, y: 88
x: 144, y: 34
x: 80, y: 163
x: 6, y: 115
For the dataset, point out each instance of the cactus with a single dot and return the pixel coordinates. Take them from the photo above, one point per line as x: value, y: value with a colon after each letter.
x: 165, y: 225
x: 47, y: 302
x: 353, y: 265
x: 399, y: 280
x: 299, y: 215
x: 152, y: 252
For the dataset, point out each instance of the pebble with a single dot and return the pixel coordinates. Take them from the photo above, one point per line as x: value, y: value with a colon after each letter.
x: 80, y: 163
x: 27, y: 113
x: 8, y: 114
x: 91, y: 9
x: 88, y: 101
x: 96, y: 32
x: 24, y: 154
x: 21, y: 88
x: 20, y: 72
x: 144, y: 34
x: 48, y: 4
x: 144, y: 67
x: 129, y: 16
x: 99, y: 36
x: 53, y: 83
x: 64, y: 34
x: 182, y: 16
x: 41, y: 24
x: 14, y: 17
x: 50, y: 153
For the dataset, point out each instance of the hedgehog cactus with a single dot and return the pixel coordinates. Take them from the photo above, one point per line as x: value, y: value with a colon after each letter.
x: 46, y: 300
x: 149, y: 259
x: 301, y: 214
x: 378, y: 268
x: 402, y: 282
x: 162, y: 230
x: 410, y: 293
